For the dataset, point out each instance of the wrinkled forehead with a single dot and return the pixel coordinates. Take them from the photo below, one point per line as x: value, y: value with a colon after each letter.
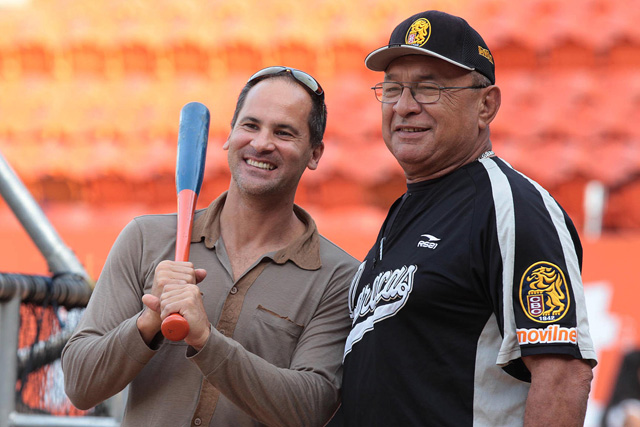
x: 420, y: 68
x: 278, y: 91
x: 277, y: 100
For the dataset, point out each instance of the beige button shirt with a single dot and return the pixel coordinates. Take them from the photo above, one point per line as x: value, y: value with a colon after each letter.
x: 274, y: 355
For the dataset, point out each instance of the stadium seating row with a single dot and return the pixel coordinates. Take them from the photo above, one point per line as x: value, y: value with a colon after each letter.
x: 581, y: 103
x: 537, y: 23
x: 28, y: 58
x: 556, y: 160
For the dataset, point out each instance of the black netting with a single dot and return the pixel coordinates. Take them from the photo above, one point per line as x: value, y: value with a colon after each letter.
x: 51, y: 308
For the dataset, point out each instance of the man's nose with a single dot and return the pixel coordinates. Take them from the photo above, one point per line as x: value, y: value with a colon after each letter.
x: 262, y: 142
x: 407, y: 104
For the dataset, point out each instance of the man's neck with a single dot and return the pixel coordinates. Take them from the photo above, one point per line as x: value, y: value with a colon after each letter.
x: 482, y: 150
x: 251, y: 222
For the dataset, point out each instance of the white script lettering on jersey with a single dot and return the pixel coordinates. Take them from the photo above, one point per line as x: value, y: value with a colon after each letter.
x: 380, y: 300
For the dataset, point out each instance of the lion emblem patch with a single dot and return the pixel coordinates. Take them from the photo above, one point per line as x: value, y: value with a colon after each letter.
x: 418, y: 33
x: 543, y: 293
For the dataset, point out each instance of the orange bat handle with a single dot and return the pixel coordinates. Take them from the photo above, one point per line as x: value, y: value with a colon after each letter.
x: 174, y: 326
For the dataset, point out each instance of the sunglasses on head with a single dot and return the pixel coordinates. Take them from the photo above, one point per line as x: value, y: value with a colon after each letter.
x: 300, y: 76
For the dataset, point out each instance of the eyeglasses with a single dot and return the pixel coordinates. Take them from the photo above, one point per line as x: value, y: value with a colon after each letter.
x: 422, y: 92
x: 300, y: 76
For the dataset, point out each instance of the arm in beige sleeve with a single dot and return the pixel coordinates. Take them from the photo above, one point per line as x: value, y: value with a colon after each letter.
x: 559, y: 390
x: 307, y: 393
x: 106, y: 350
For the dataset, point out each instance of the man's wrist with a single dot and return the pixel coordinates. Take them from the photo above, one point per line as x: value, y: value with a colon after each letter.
x: 202, y: 341
x: 148, y: 325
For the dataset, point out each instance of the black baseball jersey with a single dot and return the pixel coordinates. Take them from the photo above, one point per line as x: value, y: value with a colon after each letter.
x: 470, y: 272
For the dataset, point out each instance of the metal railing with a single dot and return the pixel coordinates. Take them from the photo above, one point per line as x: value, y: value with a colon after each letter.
x: 69, y: 286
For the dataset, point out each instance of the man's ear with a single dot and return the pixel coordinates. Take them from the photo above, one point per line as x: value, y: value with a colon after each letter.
x: 316, y: 154
x: 490, y: 104
x: 225, y: 146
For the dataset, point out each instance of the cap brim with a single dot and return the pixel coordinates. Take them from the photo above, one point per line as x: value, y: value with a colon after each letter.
x: 379, y: 59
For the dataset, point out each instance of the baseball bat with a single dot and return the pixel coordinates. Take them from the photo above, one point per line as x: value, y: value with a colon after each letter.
x: 193, y: 135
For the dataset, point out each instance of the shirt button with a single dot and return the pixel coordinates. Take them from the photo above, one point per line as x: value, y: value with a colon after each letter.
x: 234, y: 290
x: 197, y: 421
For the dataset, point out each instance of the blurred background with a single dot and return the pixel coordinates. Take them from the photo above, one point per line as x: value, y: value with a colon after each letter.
x: 91, y: 92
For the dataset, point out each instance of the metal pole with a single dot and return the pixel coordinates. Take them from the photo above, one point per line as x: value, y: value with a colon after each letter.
x: 30, y: 420
x: 595, y: 200
x: 9, y: 324
x: 59, y: 257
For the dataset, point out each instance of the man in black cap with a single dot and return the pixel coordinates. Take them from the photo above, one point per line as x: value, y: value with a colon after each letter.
x: 469, y: 308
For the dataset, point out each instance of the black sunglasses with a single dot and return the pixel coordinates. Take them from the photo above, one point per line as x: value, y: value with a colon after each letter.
x: 300, y: 76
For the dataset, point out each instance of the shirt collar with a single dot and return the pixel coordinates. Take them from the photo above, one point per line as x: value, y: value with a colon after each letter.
x: 303, y: 251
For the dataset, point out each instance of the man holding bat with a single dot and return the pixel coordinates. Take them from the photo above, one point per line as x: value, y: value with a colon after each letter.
x: 263, y: 293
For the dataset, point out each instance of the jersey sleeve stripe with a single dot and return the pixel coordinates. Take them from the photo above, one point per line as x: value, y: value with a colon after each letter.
x: 505, y: 221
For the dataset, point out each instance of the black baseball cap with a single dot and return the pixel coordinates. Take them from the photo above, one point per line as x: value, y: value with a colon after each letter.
x: 438, y: 34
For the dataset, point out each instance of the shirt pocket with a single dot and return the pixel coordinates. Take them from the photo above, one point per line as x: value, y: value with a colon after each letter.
x: 275, y: 336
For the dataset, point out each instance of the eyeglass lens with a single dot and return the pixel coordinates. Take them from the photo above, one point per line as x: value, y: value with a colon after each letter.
x: 390, y: 92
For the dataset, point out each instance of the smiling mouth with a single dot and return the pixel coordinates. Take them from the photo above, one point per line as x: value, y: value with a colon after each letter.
x: 411, y: 129
x: 260, y: 165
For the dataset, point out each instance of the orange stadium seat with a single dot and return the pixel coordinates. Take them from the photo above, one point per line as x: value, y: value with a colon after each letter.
x: 294, y: 54
x: 243, y: 57
x: 88, y: 58
x: 189, y: 57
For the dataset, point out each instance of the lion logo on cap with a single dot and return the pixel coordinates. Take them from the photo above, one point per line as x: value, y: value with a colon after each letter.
x: 419, y: 32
